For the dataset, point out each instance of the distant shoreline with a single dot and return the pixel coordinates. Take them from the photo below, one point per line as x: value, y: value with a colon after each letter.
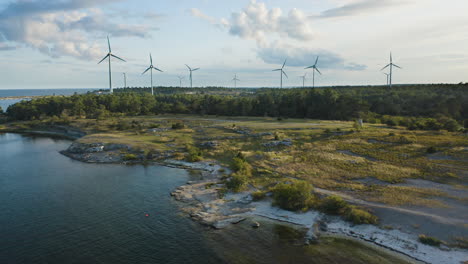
x: 20, y: 97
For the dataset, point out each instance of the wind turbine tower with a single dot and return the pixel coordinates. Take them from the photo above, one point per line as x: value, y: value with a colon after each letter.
x: 391, y: 65
x: 314, y: 68
x: 191, y: 70
x: 125, y: 79
x: 303, y: 79
x: 180, y: 80
x: 235, y: 80
x: 109, y: 55
x: 386, y: 74
x: 281, y: 74
x: 150, y: 68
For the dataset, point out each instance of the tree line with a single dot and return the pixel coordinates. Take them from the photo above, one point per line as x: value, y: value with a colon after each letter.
x: 334, y: 103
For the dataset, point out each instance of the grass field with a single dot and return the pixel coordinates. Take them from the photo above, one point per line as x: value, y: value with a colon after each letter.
x: 333, y: 155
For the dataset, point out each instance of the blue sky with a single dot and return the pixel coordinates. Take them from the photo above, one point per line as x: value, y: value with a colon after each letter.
x: 57, y: 43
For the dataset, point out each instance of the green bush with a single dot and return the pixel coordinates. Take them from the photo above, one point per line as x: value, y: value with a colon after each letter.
x: 359, y: 216
x: 333, y: 204
x: 194, y: 154
x: 431, y: 241
x: 293, y: 196
x: 1, y: 110
x: 178, y: 125
x: 237, y: 182
x: 431, y: 150
x: 241, y: 166
x: 130, y: 156
x: 258, y: 195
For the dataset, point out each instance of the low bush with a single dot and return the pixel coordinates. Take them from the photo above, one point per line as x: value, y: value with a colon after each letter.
x: 194, y: 154
x: 431, y: 241
x: 237, y: 182
x: 178, y: 125
x: 333, y: 205
x: 130, y: 156
x: 258, y: 195
x: 359, y: 216
x: 431, y: 150
x: 293, y: 196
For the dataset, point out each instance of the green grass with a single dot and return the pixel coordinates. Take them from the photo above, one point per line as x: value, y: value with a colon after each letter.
x: 387, y: 154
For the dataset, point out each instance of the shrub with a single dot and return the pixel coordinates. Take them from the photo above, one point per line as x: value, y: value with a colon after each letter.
x: 178, y: 125
x: 241, y: 166
x: 130, y: 156
x: 431, y: 150
x: 1, y: 110
x: 258, y: 195
x: 359, y: 216
x: 333, y: 204
x: 154, y: 125
x: 431, y: 241
x: 293, y: 196
x: 122, y: 125
x: 194, y: 154
x: 237, y: 182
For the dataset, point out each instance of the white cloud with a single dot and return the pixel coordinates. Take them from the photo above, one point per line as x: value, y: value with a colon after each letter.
x: 297, y: 56
x: 358, y: 7
x: 61, y: 28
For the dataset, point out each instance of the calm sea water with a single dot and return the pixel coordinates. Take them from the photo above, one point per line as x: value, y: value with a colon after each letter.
x: 56, y: 210
x: 4, y: 103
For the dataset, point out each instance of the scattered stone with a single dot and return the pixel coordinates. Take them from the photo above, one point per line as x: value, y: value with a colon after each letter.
x: 209, y: 144
x: 286, y: 142
x: 255, y: 224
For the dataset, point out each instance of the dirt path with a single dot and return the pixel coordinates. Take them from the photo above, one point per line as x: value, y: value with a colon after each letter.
x: 438, y: 218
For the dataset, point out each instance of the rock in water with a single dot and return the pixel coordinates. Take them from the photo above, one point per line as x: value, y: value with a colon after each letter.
x: 255, y: 224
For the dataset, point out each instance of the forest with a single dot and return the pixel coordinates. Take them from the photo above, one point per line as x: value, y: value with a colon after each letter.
x: 432, y: 107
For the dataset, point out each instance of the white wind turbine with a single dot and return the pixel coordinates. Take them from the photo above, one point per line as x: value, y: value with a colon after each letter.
x: 125, y: 79
x: 314, y: 68
x: 281, y: 73
x: 386, y: 74
x: 109, y: 55
x: 303, y: 77
x: 235, y: 80
x: 180, y: 80
x: 391, y: 65
x: 191, y: 70
x: 150, y: 68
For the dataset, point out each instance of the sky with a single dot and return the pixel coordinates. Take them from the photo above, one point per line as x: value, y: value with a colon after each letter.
x: 58, y: 43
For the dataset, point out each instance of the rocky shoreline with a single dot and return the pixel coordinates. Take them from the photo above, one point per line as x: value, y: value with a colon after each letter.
x: 204, y: 204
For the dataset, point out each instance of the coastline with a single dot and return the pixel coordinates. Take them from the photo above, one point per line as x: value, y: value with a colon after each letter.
x: 204, y: 205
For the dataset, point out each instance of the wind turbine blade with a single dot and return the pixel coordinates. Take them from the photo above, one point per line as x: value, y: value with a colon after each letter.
x: 108, y: 43
x: 285, y: 74
x: 196, y: 69
x: 390, y: 57
x: 104, y: 58
x: 317, y: 70
x: 149, y: 68
x: 283, y: 64
x: 397, y: 66
x: 310, y: 67
x: 316, y: 60
x: 151, y: 60
x: 277, y: 70
x: 385, y: 67
x: 157, y: 69
x: 190, y: 69
x: 118, y: 58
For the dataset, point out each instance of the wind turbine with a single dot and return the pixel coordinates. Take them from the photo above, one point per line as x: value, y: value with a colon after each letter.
x: 386, y: 75
x: 191, y: 70
x: 235, y: 80
x: 180, y: 80
x: 391, y: 65
x: 314, y: 68
x: 125, y: 79
x: 109, y: 55
x: 281, y: 73
x: 150, y: 68
x: 303, y: 79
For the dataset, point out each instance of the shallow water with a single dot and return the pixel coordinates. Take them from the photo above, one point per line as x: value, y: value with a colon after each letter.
x: 57, y: 210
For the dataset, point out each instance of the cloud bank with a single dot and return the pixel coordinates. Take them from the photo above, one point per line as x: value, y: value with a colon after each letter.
x: 357, y: 7
x: 61, y: 28
x: 257, y: 22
